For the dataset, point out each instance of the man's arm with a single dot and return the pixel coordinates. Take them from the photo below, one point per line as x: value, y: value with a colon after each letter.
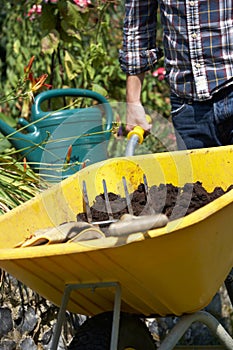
x: 135, y: 110
x: 138, y: 55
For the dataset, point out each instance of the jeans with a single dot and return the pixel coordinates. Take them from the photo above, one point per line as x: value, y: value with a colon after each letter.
x: 203, y: 124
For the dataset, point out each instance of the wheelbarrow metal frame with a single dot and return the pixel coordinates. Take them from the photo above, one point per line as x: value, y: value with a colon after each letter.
x: 171, y: 339
x: 116, y: 310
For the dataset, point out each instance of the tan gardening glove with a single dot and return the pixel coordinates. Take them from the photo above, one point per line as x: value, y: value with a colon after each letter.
x: 67, y: 232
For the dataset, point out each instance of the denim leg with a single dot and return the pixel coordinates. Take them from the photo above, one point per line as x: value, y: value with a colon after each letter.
x: 223, y: 115
x: 194, y: 124
x: 204, y: 124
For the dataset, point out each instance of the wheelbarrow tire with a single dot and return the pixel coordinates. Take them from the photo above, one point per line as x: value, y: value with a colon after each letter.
x: 95, y: 334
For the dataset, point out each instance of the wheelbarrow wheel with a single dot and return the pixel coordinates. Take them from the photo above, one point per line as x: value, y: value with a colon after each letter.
x: 95, y: 334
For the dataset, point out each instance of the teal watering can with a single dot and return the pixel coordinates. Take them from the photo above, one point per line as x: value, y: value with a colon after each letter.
x: 57, y: 143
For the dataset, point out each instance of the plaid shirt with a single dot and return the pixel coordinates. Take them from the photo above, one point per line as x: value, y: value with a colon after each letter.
x: 198, y: 43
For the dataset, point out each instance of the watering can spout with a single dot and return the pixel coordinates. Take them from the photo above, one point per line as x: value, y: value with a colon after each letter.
x: 6, y: 129
x: 21, y: 141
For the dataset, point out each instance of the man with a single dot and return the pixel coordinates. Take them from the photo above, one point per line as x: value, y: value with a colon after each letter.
x: 198, y: 48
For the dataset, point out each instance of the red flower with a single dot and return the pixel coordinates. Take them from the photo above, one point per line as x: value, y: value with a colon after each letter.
x: 159, y: 73
x: 37, y: 83
x: 28, y: 68
x: 25, y: 164
x: 68, y: 154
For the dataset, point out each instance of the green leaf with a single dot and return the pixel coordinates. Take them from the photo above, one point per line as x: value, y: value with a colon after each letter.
x: 50, y: 42
x: 72, y: 15
x: 16, y: 46
x: 8, y: 119
x: 91, y: 71
x: 99, y: 89
x: 4, y: 143
x: 69, y: 31
x: 48, y: 18
x: 72, y: 68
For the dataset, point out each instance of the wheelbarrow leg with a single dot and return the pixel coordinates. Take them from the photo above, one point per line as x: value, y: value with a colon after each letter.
x: 185, y: 322
x: 116, y: 311
x: 61, y: 317
x: 229, y: 286
x: 116, y: 318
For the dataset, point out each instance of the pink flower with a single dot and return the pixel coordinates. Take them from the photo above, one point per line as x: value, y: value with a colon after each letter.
x: 82, y: 3
x: 171, y: 137
x: 35, y: 10
x: 159, y: 73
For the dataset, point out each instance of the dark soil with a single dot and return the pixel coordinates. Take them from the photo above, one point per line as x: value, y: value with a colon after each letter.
x: 173, y: 201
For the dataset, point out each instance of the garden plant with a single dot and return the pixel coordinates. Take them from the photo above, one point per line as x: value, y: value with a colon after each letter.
x: 75, y: 44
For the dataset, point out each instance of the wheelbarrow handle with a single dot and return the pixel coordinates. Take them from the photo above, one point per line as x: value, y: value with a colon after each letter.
x: 138, y: 224
x: 135, y: 137
x: 139, y: 131
x: 37, y: 112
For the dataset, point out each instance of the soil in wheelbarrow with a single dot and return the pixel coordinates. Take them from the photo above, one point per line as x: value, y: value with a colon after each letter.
x: 173, y: 201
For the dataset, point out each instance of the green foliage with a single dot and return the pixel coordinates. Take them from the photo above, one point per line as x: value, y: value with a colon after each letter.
x: 77, y: 47
x: 18, y: 183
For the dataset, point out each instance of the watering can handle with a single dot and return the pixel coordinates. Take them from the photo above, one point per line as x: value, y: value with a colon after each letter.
x: 46, y: 95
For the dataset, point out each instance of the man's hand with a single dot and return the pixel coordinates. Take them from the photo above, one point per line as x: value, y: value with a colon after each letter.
x: 136, y: 117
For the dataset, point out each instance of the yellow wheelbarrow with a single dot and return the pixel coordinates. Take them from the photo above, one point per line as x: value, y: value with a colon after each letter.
x: 171, y: 270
